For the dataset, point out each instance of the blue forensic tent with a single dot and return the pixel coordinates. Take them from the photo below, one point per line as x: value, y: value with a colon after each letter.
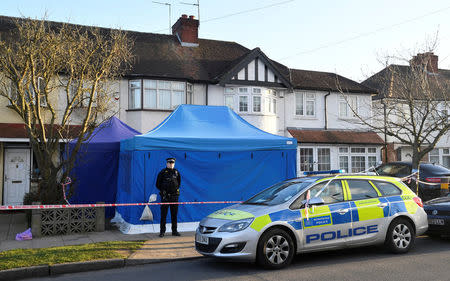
x: 97, y: 162
x: 220, y: 157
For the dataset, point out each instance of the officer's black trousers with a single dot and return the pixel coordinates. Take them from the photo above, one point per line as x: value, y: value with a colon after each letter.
x: 173, y: 214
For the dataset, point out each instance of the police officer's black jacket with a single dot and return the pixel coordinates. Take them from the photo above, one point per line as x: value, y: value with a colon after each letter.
x: 169, y: 181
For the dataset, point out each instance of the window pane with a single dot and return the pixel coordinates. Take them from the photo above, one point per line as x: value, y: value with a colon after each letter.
x: 343, y: 149
x: 243, y: 103
x: 164, y: 99
x: 179, y: 86
x: 331, y: 194
x: 134, y: 98
x: 435, y: 152
x: 149, y: 98
x: 372, y: 161
x: 299, y: 104
x: 243, y: 90
x: 434, y: 159
x: 446, y: 151
x: 361, y: 189
x: 274, y: 106
x: 446, y: 161
x: 306, y: 159
x: 343, y: 109
x: 164, y: 85
x: 256, y: 90
x: 323, y: 157
x: 149, y: 84
x: 310, y: 108
x: 256, y: 104
x: 229, y: 90
x: 178, y: 98
x: 343, y: 163
x: 371, y: 150
x: 229, y: 101
x: 310, y: 96
x: 358, y: 150
x: 386, y: 188
x: 358, y: 164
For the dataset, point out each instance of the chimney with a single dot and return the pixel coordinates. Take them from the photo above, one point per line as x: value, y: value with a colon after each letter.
x: 186, y: 30
x: 428, y: 59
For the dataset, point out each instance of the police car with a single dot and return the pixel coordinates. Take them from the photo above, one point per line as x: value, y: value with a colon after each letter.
x: 314, y: 213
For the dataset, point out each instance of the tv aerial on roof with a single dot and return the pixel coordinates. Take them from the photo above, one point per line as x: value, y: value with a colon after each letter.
x: 170, y: 12
x: 198, y: 8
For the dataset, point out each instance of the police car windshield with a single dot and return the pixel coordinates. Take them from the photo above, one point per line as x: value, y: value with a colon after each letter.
x: 278, y: 193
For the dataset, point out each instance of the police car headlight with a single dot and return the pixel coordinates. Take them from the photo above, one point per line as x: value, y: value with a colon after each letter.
x: 236, y: 225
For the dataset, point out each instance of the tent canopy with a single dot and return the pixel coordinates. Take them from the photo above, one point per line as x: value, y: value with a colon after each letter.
x: 96, y: 165
x: 220, y: 157
x: 207, y: 128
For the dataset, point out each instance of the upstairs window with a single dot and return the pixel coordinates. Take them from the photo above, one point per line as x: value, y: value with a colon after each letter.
x: 257, y: 104
x: 305, y: 104
x: 347, y: 106
x: 158, y: 94
x: 243, y: 103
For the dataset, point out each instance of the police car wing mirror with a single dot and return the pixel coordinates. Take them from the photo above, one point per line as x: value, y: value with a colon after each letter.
x: 152, y: 198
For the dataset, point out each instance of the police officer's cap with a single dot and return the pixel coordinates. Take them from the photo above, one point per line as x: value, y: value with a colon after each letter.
x: 170, y: 160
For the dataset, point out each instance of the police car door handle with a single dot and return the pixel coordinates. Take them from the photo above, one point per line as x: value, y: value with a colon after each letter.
x: 342, y: 211
x: 382, y: 205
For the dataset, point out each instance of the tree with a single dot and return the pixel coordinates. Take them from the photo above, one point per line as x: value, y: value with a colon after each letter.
x: 412, y: 103
x: 59, y: 79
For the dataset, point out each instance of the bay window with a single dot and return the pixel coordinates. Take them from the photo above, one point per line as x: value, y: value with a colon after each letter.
x: 157, y: 94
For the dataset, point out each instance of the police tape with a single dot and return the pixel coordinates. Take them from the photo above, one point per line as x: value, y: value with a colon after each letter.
x: 413, y: 177
x: 35, y: 207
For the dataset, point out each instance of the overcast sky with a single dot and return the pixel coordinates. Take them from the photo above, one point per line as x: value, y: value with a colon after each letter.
x: 346, y: 36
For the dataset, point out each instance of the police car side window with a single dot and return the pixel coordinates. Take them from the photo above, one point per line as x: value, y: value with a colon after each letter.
x: 386, y: 188
x: 361, y: 189
x: 331, y: 194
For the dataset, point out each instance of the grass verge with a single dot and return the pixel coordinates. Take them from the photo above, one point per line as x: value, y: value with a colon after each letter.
x: 48, y: 256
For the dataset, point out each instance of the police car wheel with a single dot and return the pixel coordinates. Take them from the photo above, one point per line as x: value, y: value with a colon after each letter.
x: 400, y: 237
x: 275, y: 249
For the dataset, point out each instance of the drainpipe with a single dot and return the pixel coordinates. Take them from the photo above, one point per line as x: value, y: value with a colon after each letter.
x: 326, y: 115
x: 385, y: 132
x: 207, y: 93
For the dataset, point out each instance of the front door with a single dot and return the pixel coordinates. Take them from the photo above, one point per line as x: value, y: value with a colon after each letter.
x: 17, y: 175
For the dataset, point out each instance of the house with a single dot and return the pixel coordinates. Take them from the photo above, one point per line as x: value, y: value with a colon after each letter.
x: 393, y: 82
x: 181, y: 68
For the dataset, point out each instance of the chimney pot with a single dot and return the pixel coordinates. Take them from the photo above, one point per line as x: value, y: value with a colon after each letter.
x: 184, y: 16
x: 191, y: 17
x: 428, y: 60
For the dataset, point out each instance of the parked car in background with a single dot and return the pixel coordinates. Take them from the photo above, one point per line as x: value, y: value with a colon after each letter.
x: 438, y: 211
x: 433, y: 177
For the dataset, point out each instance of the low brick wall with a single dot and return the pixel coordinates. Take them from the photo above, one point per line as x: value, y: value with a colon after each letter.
x: 48, y: 222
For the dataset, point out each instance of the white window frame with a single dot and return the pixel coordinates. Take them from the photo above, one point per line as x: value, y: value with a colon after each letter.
x: 306, y: 97
x: 233, y: 105
x: 315, y: 150
x: 248, y: 103
x: 260, y: 103
x: 171, y: 89
x: 440, y: 153
x: 129, y: 93
x: 344, y: 101
x: 366, y: 154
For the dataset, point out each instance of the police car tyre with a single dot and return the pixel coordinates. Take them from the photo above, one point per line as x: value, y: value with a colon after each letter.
x: 400, y: 236
x: 275, y: 249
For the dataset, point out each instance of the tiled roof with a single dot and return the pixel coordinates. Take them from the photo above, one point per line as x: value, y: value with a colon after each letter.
x: 393, y: 80
x: 335, y: 137
x: 15, y: 130
x: 326, y: 81
x: 162, y: 56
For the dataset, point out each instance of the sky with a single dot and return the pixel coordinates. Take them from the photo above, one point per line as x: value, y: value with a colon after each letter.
x: 348, y: 37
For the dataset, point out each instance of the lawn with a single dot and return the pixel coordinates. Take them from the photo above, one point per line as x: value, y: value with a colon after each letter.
x: 48, y: 256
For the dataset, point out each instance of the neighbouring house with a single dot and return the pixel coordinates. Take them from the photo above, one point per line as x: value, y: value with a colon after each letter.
x: 390, y: 83
x: 181, y: 68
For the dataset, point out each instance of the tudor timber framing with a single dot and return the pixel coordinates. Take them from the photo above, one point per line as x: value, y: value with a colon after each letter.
x: 256, y: 54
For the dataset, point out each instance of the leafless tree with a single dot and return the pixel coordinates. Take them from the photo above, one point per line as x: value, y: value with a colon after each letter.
x: 412, y: 103
x: 57, y: 75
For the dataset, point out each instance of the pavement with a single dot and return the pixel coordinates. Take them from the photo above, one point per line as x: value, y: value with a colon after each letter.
x: 154, y: 250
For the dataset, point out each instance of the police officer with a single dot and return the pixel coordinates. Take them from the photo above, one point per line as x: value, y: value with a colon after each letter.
x: 168, y: 183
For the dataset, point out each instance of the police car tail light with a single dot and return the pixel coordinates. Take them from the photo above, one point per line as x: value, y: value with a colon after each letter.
x: 418, y: 201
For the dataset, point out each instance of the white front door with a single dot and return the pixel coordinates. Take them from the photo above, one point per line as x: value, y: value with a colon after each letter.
x: 17, y: 175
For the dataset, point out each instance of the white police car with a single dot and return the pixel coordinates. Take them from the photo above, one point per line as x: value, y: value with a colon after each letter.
x: 342, y: 211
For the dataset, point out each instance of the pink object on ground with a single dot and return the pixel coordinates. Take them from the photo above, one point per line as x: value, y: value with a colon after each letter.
x: 26, y: 235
